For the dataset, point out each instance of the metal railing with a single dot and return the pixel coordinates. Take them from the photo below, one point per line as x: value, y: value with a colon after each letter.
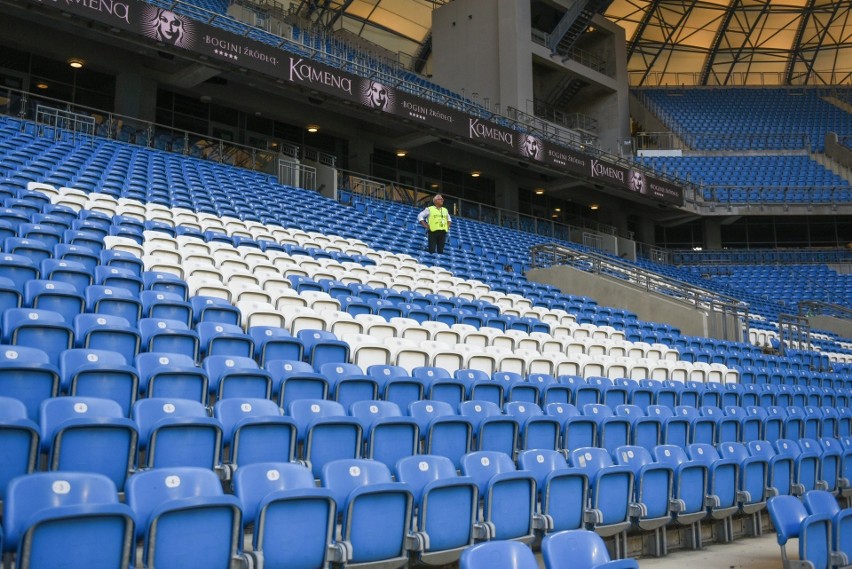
x: 581, y: 56
x: 678, y: 139
x: 722, y: 307
x: 794, y: 332
x: 736, y: 79
x: 374, y: 188
x: 815, y: 308
x: 53, y: 121
x: 297, y: 175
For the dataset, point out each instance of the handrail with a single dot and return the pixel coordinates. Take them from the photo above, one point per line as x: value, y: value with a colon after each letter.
x: 814, y: 307
x: 373, y: 187
x: 721, y: 306
x: 550, y: 254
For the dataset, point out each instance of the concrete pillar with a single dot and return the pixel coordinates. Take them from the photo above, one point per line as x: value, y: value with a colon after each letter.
x: 645, y: 231
x: 712, y: 233
x: 506, y: 193
x: 136, y: 96
x: 360, y: 155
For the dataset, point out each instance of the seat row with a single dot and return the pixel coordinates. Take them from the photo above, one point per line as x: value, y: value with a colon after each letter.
x: 820, y: 525
x: 592, y: 491
x: 91, y: 433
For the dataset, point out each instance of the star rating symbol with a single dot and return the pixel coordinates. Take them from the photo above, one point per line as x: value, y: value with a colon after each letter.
x: 417, y: 115
x: 226, y: 54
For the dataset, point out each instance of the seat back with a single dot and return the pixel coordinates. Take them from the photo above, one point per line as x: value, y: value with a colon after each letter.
x: 498, y: 555
x: 48, y: 514
x: 185, y: 517
x: 585, y: 549
x: 281, y: 499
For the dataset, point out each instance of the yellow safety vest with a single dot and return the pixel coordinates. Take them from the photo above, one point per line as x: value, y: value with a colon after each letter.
x: 437, y: 219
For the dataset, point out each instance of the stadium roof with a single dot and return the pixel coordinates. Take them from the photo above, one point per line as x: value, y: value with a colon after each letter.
x: 670, y: 42
x: 736, y: 42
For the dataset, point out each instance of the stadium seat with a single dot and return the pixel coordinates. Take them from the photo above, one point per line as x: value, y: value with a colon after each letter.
x: 49, y: 514
x: 498, y: 555
x: 87, y: 434
x: 508, y: 495
x: 185, y: 519
x: 581, y: 549
x: 368, y: 499
x: 253, y: 430
x: 293, y: 521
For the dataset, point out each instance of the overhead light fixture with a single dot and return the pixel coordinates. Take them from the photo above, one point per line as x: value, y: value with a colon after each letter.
x: 475, y: 174
x: 539, y: 191
x: 76, y: 62
x: 557, y: 209
x: 435, y: 186
x: 593, y: 206
x: 41, y: 85
x: 554, y: 216
x: 313, y: 128
x: 401, y: 153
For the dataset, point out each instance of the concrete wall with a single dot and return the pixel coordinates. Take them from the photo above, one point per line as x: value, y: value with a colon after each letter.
x: 836, y: 325
x: 616, y: 293
x: 839, y: 153
x: 483, y: 47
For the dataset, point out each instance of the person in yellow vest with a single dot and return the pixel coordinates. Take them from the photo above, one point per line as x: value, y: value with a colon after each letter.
x: 436, y: 220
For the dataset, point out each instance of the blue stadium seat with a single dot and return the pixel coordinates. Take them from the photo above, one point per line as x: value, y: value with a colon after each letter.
x: 56, y: 296
x: 690, y: 489
x: 273, y: 343
x: 166, y: 305
x: 322, y: 347
x: 443, y: 433
x: 185, y: 519
x: 325, y: 432
x: 237, y: 376
x: 347, y: 383
x: 508, y: 495
x: 88, y: 434
x: 19, y: 437
x: 164, y: 374
x: 563, y: 491
x: 293, y: 520
x: 107, y: 332
x: 388, y: 435
x: 114, y: 301
x: 368, y: 499
x: 27, y: 374
x: 492, y: 430
x: 48, y: 514
x: 446, y: 506
x: 168, y: 336
x: 820, y: 502
x: 653, y: 492
x: 498, y: 555
x: 722, y: 485
x: 253, y: 430
x: 177, y: 432
x: 41, y: 329
x: 292, y: 380
x: 99, y: 373
x: 220, y: 339
x: 579, y: 549
x: 813, y: 531
x: 611, y: 492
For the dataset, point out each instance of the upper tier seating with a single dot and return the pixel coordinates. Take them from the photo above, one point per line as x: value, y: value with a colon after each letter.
x: 748, y: 118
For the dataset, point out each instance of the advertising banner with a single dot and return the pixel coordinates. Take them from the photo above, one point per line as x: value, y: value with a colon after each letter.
x: 169, y: 28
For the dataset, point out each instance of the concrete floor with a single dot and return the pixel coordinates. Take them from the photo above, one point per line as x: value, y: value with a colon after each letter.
x: 747, y: 552
x: 743, y: 553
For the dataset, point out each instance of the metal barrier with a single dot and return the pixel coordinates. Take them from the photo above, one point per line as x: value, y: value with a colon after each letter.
x: 722, y: 309
x: 297, y: 175
x: 59, y: 123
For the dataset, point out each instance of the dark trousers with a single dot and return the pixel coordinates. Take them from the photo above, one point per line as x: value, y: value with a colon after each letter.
x: 437, y: 240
